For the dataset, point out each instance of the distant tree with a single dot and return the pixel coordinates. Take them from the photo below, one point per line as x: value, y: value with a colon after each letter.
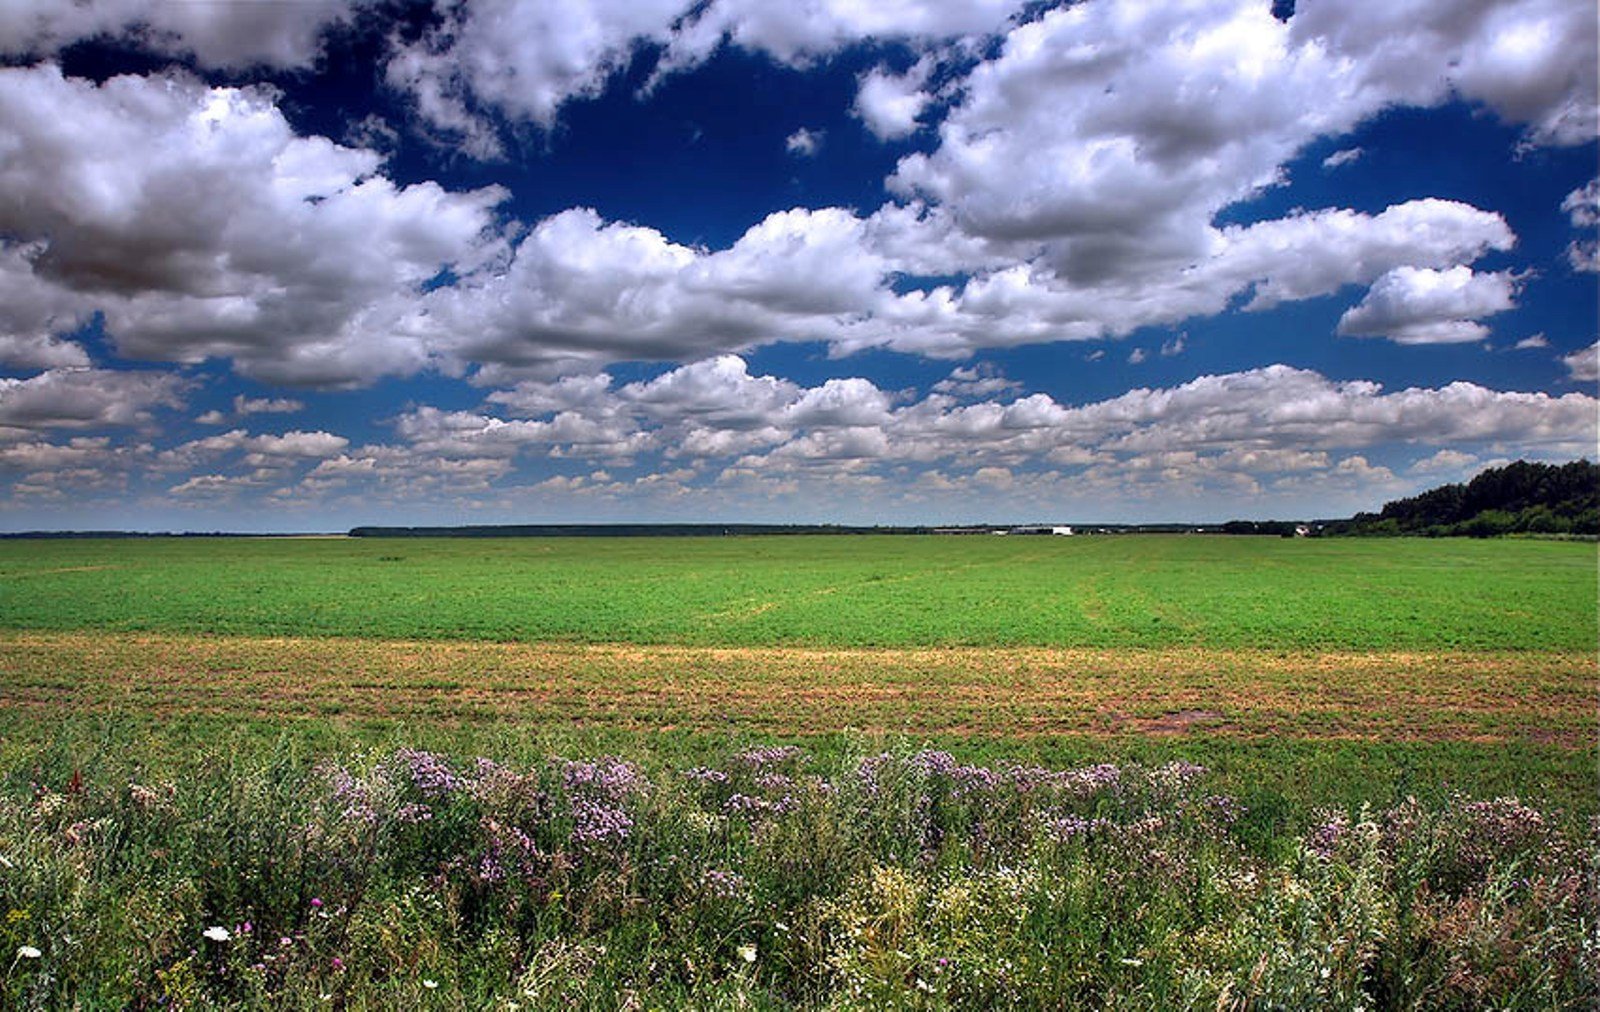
x: 1519, y: 497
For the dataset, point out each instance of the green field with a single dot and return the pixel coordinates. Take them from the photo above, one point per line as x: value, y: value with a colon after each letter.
x: 211, y: 794
x: 1112, y: 592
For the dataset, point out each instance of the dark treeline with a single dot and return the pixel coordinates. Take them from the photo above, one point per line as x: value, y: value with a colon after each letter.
x: 1520, y: 498
x: 620, y: 530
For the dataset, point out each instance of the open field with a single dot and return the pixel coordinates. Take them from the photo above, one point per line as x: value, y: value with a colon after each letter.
x: 1112, y: 592
x: 212, y: 794
x: 1478, y: 654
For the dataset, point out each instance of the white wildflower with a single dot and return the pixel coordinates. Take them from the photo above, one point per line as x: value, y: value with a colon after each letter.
x: 217, y: 933
x: 28, y: 952
x: 747, y: 953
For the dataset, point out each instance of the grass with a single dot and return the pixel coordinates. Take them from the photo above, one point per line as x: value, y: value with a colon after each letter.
x: 1107, y: 592
x: 207, y: 735
x: 1518, y: 723
x: 770, y: 879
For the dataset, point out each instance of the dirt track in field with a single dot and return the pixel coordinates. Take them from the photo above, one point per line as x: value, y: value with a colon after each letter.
x: 1547, y: 698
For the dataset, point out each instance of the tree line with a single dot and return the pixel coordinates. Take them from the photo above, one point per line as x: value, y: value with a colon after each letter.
x: 1519, y: 498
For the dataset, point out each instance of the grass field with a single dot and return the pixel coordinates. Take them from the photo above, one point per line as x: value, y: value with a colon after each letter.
x: 1113, y: 592
x: 1474, y: 659
x: 221, y: 736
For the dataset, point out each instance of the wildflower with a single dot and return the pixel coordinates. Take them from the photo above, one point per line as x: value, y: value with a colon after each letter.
x: 768, y: 755
x: 430, y: 773
x: 285, y: 941
x: 316, y: 903
x: 430, y: 984
x: 217, y: 933
x: 726, y: 885
x: 338, y: 964
x: 28, y: 952
x: 747, y: 953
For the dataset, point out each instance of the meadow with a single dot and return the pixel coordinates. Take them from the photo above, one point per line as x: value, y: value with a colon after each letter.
x: 1115, y: 592
x: 814, y: 772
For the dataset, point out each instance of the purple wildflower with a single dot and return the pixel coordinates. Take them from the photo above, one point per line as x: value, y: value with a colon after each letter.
x: 768, y: 755
x: 430, y: 774
x: 704, y: 775
x: 607, y: 776
x: 723, y: 885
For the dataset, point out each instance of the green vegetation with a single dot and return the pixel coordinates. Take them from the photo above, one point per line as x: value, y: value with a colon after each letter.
x: 769, y: 879
x: 1520, y: 498
x: 1113, y: 592
x: 214, y: 794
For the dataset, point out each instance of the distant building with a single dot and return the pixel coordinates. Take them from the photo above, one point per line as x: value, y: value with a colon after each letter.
x: 1039, y: 529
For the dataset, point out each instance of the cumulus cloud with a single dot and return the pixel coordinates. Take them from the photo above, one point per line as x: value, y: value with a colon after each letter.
x: 243, y: 405
x: 1533, y: 62
x: 86, y: 398
x: 523, y: 60
x: 889, y: 103
x: 1411, y: 305
x: 219, y: 35
x: 980, y: 380
x: 520, y: 58
x: 1451, y: 462
x: 204, y: 227
x: 713, y: 431
x: 579, y: 290
x: 1304, y: 255
x: 1114, y: 134
x: 1583, y: 208
x: 803, y: 142
x: 1261, y: 416
x: 1583, y: 365
x: 1532, y: 341
x: 33, y: 312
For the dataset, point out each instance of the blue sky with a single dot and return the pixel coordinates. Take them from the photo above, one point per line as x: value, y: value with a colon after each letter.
x: 305, y: 266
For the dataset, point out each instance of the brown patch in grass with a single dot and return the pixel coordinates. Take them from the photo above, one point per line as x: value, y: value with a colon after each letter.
x: 1006, y: 692
x: 1176, y: 722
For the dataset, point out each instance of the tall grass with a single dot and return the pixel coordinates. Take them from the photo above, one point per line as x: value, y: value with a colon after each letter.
x: 407, y: 879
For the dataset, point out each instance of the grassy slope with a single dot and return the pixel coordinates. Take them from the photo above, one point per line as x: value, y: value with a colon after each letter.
x: 846, y: 591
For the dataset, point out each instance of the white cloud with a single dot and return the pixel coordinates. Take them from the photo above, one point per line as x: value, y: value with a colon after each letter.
x: 222, y: 35
x: 1583, y: 208
x: 1531, y: 61
x: 975, y: 381
x: 1304, y: 255
x: 1532, y: 341
x: 203, y: 227
x: 1583, y: 204
x: 521, y: 58
x: 889, y: 103
x: 86, y: 398
x: 1411, y: 305
x: 1261, y: 417
x: 1445, y: 462
x: 33, y: 312
x: 1583, y: 365
x: 796, y: 34
x: 579, y: 291
x: 803, y: 142
x: 1344, y: 156
x: 243, y: 405
x: 1113, y: 134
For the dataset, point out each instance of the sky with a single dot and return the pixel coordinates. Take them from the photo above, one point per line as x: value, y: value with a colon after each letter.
x: 304, y: 266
